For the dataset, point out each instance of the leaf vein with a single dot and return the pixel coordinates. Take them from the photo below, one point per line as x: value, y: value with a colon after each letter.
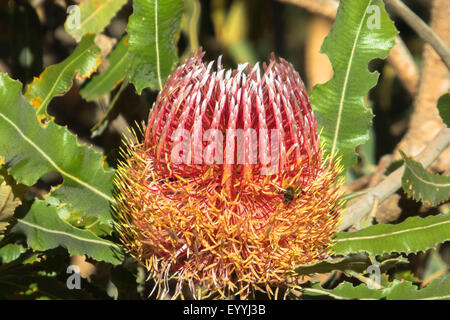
x: 105, y: 243
x: 60, y: 170
x: 345, y: 84
x: 393, y: 233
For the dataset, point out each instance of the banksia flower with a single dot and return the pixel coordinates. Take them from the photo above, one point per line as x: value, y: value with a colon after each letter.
x: 230, y: 190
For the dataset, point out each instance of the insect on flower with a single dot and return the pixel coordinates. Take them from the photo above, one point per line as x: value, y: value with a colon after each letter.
x: 199, y: 199
x: 291, y: 193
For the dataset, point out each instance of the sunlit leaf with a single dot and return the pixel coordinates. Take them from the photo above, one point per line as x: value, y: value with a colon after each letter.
x: 438, y: 289
x: 361, y: 32
x: 11, y: 252
x: 412, y: 235
x: 119, y: 63
x: 152, y: 29
x: 423, y: 186
x: 355, y: 262
x: 31, y: 150
x: 45, y: 230
x: 57, y: 79
x: 346, y: 290
x: 91, y: 16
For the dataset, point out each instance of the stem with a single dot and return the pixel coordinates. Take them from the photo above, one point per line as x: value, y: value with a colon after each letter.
x: 422, y: 29
x: 361, y: 208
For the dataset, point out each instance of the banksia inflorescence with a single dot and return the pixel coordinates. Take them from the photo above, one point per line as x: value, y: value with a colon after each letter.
x: 230, y: 189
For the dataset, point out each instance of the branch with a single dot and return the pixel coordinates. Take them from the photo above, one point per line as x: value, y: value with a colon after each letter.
x: 399, y: 58
x: 421, y: 28
x: 425, y: 121
x: 361, y: 208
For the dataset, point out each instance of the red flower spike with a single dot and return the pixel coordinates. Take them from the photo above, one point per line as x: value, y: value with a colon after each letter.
x: 229, y: 190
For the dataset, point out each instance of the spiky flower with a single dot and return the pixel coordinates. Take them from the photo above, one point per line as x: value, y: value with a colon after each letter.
x: 229, y: 190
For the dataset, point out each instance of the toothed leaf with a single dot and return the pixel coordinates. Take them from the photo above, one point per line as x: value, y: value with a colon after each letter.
x: 11, y: 252
x: 152, y: 28
x: 45, y: 230
x: 438, y: 289
x: 119, y: 64
x: 31, y: 150
x: 412, y: 235
x: 423, y: 186
x: 91, y: 16
x: 355, y: 40
x: 346, y: 290
x: 57, y: 79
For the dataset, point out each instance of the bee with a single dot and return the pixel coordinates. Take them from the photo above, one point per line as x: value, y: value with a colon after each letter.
x: 291, y: 193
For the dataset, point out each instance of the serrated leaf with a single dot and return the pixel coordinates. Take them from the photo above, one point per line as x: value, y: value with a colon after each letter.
x: 119, y: 63
x: 91, y: 16
x: 346, y: 290
x: 438, y: 289
x: 11, y: 252
x: 423, y: 186
x: 8, y: 203
x: 45, y: 230
x: 412, y: 235
x: 57, y: 79
x: 354, y: 41
x: 355, y: 262
x: 85, y: 223
x: 31, y: 150
x: 443, y: 106
x: 152, y: 28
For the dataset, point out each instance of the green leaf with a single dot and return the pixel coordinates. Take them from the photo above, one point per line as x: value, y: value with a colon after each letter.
x: 412, y: 235
x: 11, y: 252
x: 423, y: 186
x: 438, y: 289
x: 31, y: 150
x: 91, y: 16
x: 355, y: 262
x: 119, y: 63
x: 57, y: 79
x: 346, y: 290
x: 45, y: 230
x: 354, y: 41
x: 152, y: 29
x: 443, y: 106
